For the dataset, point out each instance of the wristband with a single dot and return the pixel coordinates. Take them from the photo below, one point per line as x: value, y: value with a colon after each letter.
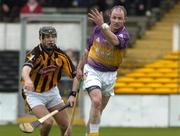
x: 72, y: 93
x: 105, y: 26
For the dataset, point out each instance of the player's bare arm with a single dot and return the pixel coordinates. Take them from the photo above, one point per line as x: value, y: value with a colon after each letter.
x: 73, y: 93
x: 97, y: 18
x: 28, y: 84
x: 81, y: 64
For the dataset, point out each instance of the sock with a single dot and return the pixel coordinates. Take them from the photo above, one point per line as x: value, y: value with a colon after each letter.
x: 94, y: 128
x: 94, y: 134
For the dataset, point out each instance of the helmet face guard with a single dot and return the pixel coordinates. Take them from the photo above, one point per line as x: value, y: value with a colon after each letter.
x: 45, y: 32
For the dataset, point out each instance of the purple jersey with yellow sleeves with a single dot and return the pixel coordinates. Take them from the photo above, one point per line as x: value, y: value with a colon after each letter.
x: 102, y: 56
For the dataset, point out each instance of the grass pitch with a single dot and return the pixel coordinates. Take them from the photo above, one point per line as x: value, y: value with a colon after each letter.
x: 13, y: 130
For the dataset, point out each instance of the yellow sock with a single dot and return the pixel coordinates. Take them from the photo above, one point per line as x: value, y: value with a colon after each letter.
x: 94, y: 134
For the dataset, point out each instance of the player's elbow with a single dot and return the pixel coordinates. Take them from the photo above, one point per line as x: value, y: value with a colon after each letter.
x: 26, y: 71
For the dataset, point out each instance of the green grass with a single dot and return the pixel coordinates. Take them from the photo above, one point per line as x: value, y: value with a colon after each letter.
x: 13, y: 130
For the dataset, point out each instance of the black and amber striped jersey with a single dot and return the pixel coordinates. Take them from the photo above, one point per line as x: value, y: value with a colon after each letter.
x: 47, y: 68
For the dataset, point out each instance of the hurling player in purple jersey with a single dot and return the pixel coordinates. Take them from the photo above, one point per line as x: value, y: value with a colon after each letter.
x: 100, y: 61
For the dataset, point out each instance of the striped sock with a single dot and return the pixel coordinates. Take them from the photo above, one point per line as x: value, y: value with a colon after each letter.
x: 94, y: 130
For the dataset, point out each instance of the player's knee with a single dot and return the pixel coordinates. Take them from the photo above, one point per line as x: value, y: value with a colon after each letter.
x: 48, y: 123
x: 96, y: 103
